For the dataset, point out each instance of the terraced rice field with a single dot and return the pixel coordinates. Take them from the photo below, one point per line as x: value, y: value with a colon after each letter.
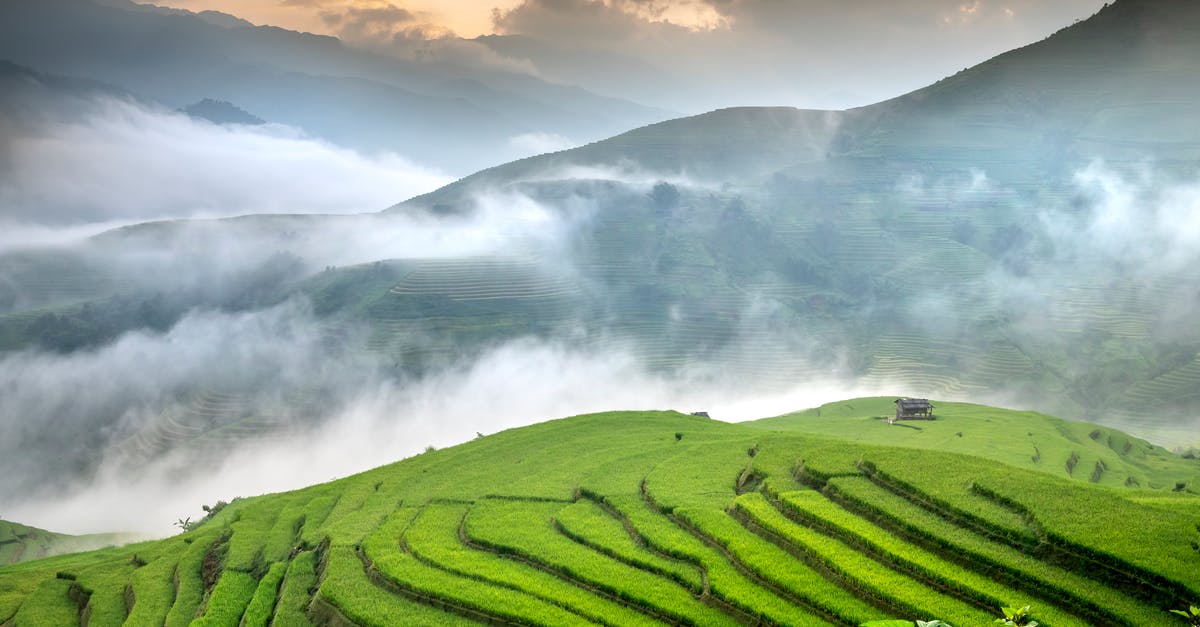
x: 437, y: 306
x: 484, y: 278
x: 919, y: 364
x: 47, y: 280
x: 1126, y: 310
x: 212, y: 419
x: 656, y: 518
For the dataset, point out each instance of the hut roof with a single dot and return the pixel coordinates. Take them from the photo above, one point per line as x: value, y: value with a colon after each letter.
x: 914, y: 403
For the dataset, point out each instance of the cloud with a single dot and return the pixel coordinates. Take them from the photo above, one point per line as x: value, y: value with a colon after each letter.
x: 57, y: 410
x: 538, y: 143
x: 1136, y: 219
x: 125, y: 161
x: 811, y: 54
x: 386, y: 420
x: 585, y: 22
x: 121, y: 441
x: 357, y: 23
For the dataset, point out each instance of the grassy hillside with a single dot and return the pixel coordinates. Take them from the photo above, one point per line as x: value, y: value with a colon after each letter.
x: 1073, y: 450
x: 21, y: 543
x: 657, y: 517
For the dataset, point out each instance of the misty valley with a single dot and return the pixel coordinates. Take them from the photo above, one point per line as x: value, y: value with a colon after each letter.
x: 290, y: 327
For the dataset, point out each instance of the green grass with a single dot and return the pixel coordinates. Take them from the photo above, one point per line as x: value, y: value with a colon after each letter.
x: 262, y: 604
x: 819, y: 512
x: 105, y: 584
x: 48, y: 604
x: 1005, y: 436
x: 726, y: 581
x: 526, y: 529
x: 384, y: 549
x: 189, y: 588
x: 763, y: 559
x: 996, y: 560
x: 588, y: 523
x: 296, y: 592
x: 434, y: 538
x: 1067, y: 516
x: 614, y: 519
x: 348, y: 590
x: 284, y: 534
x: 250, y: 532
x: 859, y: 572
x: 229, y: 599
x: 153, y: 592
x: 20, y: 543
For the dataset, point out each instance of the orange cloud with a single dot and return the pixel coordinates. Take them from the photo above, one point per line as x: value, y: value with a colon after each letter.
x: 466, y: 18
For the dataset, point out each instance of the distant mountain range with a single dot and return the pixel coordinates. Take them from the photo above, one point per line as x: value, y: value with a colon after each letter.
x: 453, y: 117
x: 1119, y: 86
x: 221, y: 112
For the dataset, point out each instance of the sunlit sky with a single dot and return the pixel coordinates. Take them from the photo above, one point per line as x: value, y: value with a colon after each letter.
x: 466, y: 18
x: 693, y: 55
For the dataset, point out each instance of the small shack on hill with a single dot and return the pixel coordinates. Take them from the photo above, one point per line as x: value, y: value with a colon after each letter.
x: 913, y: 409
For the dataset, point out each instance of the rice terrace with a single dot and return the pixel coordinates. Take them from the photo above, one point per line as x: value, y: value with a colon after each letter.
x: 373, y: 313
x: 826, y: 517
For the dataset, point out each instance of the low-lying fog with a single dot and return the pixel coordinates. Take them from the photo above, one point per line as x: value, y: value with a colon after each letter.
x: 91, y: 413
x: 119, y: 161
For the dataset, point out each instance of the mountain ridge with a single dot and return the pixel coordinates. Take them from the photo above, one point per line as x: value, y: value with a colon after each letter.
x: 256, y: 60
x: 915, y: 121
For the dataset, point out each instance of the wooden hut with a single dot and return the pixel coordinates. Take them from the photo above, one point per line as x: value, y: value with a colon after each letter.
x: 913, y: 409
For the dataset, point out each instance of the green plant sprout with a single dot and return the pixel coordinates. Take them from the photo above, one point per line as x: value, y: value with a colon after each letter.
x: 1016, y: 617
x: 1192, y: 615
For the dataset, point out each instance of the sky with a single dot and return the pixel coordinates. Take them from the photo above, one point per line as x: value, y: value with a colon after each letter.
x: 694, y: 55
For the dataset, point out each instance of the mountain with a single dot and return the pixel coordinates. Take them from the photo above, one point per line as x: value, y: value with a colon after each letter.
x: 1118, y: 86
x: 946, y: 241
x: 221, y: 112
x: 29, y: 95
x: 19, y: 543
x: 461, y: 117
x: 664, y: 518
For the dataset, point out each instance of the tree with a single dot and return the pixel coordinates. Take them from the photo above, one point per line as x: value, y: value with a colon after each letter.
x: 664, y: 196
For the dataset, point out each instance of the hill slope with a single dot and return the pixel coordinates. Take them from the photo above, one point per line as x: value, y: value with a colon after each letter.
x: 658, y: 517
x: 19, y: 543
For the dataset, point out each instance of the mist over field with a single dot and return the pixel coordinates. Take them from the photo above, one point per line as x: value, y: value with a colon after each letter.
x: 380, y: 420
x: 316, y: 396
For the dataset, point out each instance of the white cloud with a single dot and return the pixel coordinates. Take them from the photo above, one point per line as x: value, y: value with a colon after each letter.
x: 122, y: 161
x: 531, y: 144
x: 389, y: 420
